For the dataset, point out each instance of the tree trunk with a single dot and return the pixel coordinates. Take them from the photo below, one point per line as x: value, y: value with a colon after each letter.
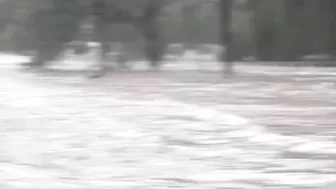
x: 53, y: 28
x: 294, y: 31
x: 332, y: 28
x: 226, y: 35
x: 189, y: 22
x: 267, y: 19
x: 154, y: 43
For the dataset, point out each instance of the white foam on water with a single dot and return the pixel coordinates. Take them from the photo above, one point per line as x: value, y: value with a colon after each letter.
x: 245, y: 128
x: 12, y: 58
x: 127, y: 133
x: 275, y: 179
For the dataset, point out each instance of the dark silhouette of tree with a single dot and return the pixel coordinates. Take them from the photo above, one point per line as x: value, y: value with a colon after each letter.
x: 151, y: 31
x: 226, y: 35
x: 332, y: 28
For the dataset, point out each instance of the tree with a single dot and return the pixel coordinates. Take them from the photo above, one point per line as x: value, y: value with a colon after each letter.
x: 59, y: 23
x: 332, y: 27
x: 226, y: 35
x: 189, y: 18
x: 53, y: 23
x: 266, y: 21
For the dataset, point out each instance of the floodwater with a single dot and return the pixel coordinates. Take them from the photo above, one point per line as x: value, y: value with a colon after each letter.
x: 66, y: 131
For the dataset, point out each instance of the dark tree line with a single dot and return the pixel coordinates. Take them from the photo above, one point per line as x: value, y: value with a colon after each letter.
x: 283, y: 30
x: 50, y: 25
x: 226, y: 38
x: 297, y: 28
